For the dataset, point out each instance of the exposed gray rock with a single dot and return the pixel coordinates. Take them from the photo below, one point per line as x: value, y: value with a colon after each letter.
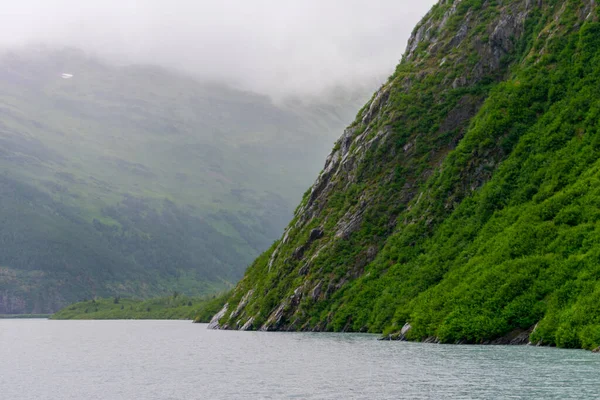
x: 286, y: 236
x: 304, y: 270
x: 248, y: 325
x: 316, y: 292
x: 381, y: 97
x: 214, y: 322
x: 399, y: 336
x: 296, y: 297
x: 299, y: 252
x: 346, y: 141
x: 243, y: 302
x: 508, y: 28
x: 517, y: 337
x: 371, y: 253
x: 451, y: 11
x: 335, y: 285
x: 460, y: 81
x: 405, y: 329
x: 316, y: 234
x: 462, y: 33
x: 272, y: 259
x: 275, y: 318
x: 306, y: 267
x: 350, y: 223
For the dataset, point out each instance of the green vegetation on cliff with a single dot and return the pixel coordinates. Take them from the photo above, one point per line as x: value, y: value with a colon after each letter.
x: 176, y: 306
x: 463, y: 204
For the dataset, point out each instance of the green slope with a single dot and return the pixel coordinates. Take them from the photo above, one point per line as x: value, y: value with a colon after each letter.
x: 136, y: 181
x: 463, y: 204
x: 172, y: 307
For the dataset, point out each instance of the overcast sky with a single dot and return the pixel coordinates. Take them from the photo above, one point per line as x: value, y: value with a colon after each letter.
x: 270, y: 46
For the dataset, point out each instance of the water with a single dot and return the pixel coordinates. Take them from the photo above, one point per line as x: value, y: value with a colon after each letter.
x: 172, y: 360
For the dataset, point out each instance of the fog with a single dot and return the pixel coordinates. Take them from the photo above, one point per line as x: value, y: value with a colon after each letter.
x: 276, y: 47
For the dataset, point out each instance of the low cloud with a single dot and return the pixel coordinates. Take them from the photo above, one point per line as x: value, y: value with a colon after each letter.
x: 269, y: 46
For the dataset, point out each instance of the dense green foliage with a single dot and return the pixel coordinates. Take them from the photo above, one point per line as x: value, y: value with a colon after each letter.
x: 136, y: 181
x: 468, y: 203
x: 24, y: 316
x: 176, y: 306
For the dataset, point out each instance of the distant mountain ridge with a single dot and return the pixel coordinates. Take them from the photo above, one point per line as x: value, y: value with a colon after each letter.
x: 137, y: 181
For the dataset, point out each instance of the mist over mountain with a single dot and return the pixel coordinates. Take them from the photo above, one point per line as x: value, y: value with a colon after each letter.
x: 154, y: 146
x: 269, y: 47
x: 138, y: 181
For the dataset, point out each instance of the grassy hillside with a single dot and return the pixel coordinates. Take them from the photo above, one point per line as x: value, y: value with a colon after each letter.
x: 135, y: 181
x: 172, y: 307
x: 462, y: 204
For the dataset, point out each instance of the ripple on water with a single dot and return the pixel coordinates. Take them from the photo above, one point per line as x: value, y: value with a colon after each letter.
x: 157, y: 360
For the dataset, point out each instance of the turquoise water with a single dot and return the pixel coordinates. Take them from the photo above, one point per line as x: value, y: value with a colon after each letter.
x: 172, y: 360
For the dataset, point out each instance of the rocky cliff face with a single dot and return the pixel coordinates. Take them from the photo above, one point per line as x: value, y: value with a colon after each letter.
x: 416, y: 179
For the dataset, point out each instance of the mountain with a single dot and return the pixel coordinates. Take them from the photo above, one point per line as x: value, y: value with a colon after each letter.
x: 138, y: 181
x: 463, y: 203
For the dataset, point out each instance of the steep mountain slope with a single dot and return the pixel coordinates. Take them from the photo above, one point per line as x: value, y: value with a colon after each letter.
x: 136, y: 181
x: 462, y: 205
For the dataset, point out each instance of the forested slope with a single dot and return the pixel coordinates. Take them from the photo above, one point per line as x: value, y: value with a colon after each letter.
x: 138, y: 181
x: 462, y: 205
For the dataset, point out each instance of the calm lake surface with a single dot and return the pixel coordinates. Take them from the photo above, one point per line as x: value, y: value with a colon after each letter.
x: 113, y: 360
